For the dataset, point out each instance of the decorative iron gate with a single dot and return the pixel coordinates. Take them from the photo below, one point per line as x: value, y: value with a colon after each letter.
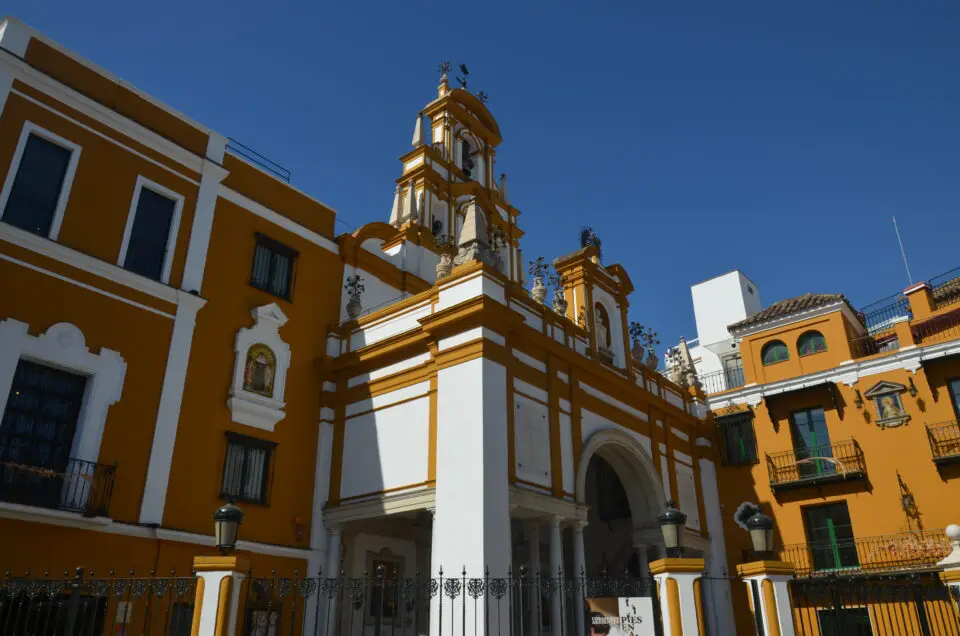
x: 88, y: 605
x: 382, y: 605
x: 914, y: 604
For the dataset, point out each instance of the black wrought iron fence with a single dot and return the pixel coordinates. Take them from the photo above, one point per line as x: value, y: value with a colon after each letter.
x: 938, y: 329
x: 881, y: 316
x: 872, y: 345
x: 85, y: 604
x: 382, y: 604
x: 898, y: 605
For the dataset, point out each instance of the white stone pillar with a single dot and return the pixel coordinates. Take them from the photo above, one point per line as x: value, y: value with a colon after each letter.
x: 580, y: 575
x: 556, y: 573
x: 767, y: 586
x: 471, y: 529
x: 951, y: 564
x: 333, y: 572
x: 533, y: 572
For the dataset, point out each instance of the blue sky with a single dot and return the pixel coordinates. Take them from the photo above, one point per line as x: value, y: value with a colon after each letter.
x: 695, y: 137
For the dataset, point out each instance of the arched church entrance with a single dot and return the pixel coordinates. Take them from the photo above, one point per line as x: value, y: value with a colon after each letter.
x: 620, y: 487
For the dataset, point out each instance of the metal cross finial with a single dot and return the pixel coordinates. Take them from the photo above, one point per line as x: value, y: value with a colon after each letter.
x: 482, y: 96
x: 444, y: 68
x: 463, y: 77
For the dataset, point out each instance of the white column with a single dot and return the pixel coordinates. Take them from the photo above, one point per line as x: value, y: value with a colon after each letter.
x: 332, y: 571
x: 472, y: 524
x: 641, y: 550
x: 556, y: 572
x: 781, y: 601
x: 580, y: 574
x: 533, y: 571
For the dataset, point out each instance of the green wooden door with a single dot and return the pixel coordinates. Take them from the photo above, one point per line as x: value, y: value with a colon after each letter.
x: 830, y: 535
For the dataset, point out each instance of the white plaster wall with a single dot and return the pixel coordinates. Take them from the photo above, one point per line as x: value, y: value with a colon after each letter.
x: 532, y: 319
x: 591, y: 422
x: 386, y: 448
x: 399, y: 323
x: 720, y: 302
x: 566, y: 452
x: 719, y: 602
x: 687, y: 493
x: 376, y: 293
x: 673, y: 398
x: 531, y: 427
x: 465, y: 289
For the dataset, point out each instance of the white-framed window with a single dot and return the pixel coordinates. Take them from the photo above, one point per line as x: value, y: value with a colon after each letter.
x: 56, y: 368
x: 35, y: 192
x: 150, y: 236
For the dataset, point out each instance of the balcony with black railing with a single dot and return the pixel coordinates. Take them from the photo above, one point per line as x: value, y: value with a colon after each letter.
x: 882, y: 315
x: 84, y: 487
x: 723, y: 380
x: 944, y: 439
x: 873, y: 345
x: 945, y: 289
x: 816, y: 465
x: 868, y: 555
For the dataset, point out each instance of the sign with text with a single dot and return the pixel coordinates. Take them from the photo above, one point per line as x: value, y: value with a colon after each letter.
x: 624, y: 616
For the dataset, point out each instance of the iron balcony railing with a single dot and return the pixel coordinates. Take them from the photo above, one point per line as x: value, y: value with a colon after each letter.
x: 84, y: 487
x: 938, y: 329
x: 723, y: 380
x: 944, y: 442
x: 945, y: 289
x: 881, y: 315
x: 813, y: 465
x: 887, y: 553
x: 254, y: 157
x: 872, y: 345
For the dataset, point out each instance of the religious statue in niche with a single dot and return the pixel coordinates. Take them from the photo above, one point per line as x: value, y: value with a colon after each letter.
x: 259, y: 370
x: 886, y: 398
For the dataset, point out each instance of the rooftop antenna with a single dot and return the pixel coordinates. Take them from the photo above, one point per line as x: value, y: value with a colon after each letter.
x: 902, y: 252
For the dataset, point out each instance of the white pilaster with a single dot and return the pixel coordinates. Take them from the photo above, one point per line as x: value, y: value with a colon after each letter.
x: 168, y: 413
x: 330, y: 615
x: 556, y: 571
x: 316, y: 565
x: 202, y: 227
x: 471, y: 529
x: 688, y: 605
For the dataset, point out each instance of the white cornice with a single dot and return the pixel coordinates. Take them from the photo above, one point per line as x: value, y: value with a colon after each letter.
x: 849, y: 373
x: 378, y: 506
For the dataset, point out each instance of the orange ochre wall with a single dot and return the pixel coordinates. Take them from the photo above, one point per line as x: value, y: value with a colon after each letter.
x: 874, y: 506
x: 197, y: 467
x: 103, y: 186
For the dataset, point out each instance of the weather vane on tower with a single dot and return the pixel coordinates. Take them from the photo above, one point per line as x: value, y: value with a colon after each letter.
x: 463, y: 77
x: 444, y: 68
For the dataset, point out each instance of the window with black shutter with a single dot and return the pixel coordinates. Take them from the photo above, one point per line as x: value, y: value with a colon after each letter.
x: 246, y: 469
x: 273, y: 267
x: 36, y: 188
x: 150, y: 235
x: 737, y: 439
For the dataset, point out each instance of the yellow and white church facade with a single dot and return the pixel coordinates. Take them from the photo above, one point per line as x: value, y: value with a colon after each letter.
x: 180, y: 326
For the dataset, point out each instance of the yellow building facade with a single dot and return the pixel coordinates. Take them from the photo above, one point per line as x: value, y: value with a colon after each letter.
x: 842, y: 426
x: 181, y: 327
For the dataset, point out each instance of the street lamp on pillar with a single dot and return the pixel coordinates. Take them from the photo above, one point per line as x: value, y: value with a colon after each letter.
x: 761, y: 535
x: 672, y: 523
x: 226, y: 521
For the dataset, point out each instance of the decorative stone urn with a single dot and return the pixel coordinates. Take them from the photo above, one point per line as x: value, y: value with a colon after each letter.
x: 354, y: 308
x: 539, y: 291
x: 560, y: 303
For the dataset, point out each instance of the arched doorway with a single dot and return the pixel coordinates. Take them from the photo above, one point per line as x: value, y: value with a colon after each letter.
x: 618, y: 483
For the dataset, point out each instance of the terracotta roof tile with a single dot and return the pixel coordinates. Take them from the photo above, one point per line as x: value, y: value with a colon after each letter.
x: 789, y: 307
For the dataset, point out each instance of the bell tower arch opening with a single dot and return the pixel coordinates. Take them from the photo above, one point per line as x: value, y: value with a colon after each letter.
x: 617, y: 481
